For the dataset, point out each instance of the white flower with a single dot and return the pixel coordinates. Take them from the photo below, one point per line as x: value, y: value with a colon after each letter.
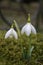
x: 33, y: 30
x: 11, y: 33
x: 28, y: 29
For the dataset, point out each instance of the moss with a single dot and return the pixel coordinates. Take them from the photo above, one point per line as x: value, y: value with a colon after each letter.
x: 11, y: 50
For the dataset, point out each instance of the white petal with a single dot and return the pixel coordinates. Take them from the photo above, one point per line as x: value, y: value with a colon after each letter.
x: 26, y: 29
x: 8, y: 33
x: 33, y: 30
x: 22, y: 31
x: 11, y: 33
x: 14, y: 33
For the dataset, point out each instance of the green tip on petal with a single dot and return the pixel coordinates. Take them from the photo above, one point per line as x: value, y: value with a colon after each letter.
x: 12, y: 26
x: 28, y: 17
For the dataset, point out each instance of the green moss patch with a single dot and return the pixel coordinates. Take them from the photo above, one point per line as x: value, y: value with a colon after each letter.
x: 11, y: 50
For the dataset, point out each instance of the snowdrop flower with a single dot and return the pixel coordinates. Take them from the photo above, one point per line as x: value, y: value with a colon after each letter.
x: 28, y: 28
x: 11, y: 33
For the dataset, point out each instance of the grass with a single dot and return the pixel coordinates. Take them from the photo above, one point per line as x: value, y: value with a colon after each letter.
x: 11, y: 50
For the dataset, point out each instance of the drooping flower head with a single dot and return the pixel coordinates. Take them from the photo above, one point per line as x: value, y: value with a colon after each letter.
x: 28, y: 28
x: 11, y: 33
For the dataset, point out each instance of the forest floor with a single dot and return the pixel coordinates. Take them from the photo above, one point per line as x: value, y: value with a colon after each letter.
x: 11, y: 50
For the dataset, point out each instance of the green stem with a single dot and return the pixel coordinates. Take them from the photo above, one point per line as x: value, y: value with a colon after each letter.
x: 29, y: 48
x: 12, y: 26
x: 18, y: 30
x: 28, y: 18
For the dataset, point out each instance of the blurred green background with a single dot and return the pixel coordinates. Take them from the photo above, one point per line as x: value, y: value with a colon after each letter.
x: 18, y: 10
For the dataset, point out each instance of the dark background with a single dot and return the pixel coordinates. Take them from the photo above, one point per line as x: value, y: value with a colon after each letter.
x: 18, y: 10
